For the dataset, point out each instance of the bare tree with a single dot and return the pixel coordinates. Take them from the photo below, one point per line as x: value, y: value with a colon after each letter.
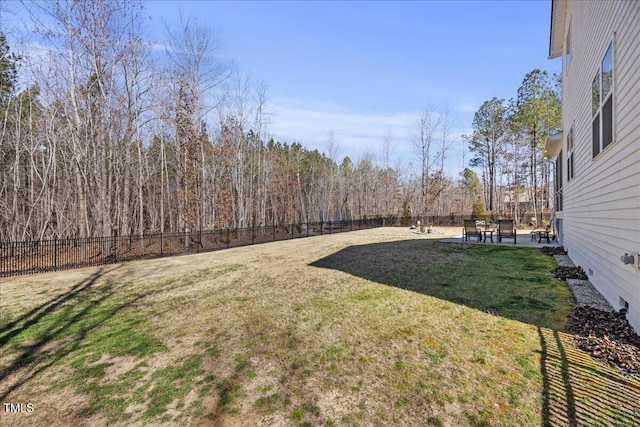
x: 198, y: 76
x: 331, y: 203
x: 423, y: 140
x: 390, y: 175
x: 89, y: 44
x: 446, y: 142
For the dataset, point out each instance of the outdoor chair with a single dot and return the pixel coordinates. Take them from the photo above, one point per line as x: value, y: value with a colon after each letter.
x: 471, y: 230
x: 506, y: 230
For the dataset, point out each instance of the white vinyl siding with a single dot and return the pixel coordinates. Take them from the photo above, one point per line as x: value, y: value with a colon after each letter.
x: 601, y: 204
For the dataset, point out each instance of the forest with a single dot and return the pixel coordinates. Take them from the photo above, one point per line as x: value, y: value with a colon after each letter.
x: 103, y: 132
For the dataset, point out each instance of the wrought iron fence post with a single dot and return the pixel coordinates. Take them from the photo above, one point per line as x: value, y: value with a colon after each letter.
x: 55, y: 252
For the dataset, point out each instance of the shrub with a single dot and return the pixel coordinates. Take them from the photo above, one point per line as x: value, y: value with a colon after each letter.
x: 479, y: 211
x: 406, y: 214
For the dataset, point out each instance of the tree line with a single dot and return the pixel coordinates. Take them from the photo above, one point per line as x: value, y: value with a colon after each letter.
x: 104, y: 133
x: 507, y: 146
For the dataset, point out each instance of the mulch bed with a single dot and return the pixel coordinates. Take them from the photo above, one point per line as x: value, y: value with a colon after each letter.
x: 553, y: 250
x: 565, y: 273
x: 606, y: 336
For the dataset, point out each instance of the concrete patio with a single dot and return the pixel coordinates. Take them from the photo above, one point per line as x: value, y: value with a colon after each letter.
x: 523, y: 239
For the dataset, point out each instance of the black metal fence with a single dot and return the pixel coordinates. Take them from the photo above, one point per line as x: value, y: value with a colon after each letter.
x: 29, y: 257
x: 37, y: 256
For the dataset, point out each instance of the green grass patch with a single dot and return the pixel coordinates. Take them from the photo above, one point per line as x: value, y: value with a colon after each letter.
x: 510, y: 282
x: 173, y: 382
x: 229, y: 391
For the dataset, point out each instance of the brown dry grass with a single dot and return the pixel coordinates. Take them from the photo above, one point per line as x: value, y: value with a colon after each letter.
x: 279, y: 337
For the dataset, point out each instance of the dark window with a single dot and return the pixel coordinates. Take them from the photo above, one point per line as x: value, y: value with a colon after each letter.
x: 558, y: 184
x: 595, y: 93
x: 570, y: 154
x: 596, y: 135
x: 607, y: 72
x: 602, y: 103
x: 607, y: 122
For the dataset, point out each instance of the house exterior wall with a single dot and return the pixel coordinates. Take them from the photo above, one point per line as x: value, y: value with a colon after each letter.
x: 601, y: 202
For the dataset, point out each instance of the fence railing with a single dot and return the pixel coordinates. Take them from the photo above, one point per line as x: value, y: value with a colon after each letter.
x: 30, y: 257
x: 37, y: 256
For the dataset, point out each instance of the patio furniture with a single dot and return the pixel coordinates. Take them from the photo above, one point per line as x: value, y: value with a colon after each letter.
x: 488, y: 229
x: 471, y: 230
x: 541, y: 235
x: 506, y: 230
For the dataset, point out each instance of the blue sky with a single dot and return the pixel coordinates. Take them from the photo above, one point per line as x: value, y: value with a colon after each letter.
x: 364, y: 70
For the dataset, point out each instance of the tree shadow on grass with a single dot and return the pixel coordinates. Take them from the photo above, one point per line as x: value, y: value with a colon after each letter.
x: 25, y: 321
x: 501, y: 280
x: 576, y: 390
x: 34, y: 352
x: 55, y: 329
x: 580, y: 391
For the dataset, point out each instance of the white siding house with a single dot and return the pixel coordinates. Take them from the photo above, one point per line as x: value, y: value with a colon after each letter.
x: 598, y: 152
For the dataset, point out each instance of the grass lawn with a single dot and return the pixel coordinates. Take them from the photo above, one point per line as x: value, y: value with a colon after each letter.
x: 368, y: 328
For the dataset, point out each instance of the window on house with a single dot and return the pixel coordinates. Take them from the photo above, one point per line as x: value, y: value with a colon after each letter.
x: 602, y: 103
x: 568, y: 45
x: 558, y: 184
x: 570, y: 155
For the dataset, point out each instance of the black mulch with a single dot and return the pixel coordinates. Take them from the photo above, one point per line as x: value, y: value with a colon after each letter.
x: 606, y: 336
x: 569, y: 273
x: 553, y: 250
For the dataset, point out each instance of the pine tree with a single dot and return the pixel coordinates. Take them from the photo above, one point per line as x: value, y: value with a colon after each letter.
x: 406, y: 214
x: 8, y: 70
x: 479, y: 211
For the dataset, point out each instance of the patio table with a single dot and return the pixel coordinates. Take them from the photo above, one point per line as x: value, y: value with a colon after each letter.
x: 541, y: 234
x: 488, y: 229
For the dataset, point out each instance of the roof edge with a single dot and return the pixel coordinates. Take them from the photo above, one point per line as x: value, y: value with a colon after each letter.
x: 557, y: 28
x: 553, y: 145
